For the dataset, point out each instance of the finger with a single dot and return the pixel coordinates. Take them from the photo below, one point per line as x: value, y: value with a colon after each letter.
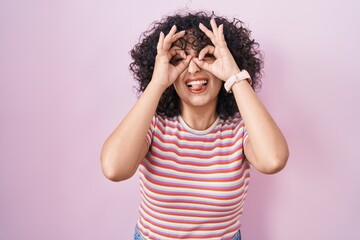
x: 184, y: 63
x: 206, y: 50
x: 172, y: 53
x: 221, y: 37
x: 181, y: 53
x: 171, y: 32
x: 160, y: 42
x: 208, y: 33
x: 168, y: 37
x: 178, y: 35
x: 214, y: 26
x: 221, y: 32
x: 202, y: 64
x: 176, y: 50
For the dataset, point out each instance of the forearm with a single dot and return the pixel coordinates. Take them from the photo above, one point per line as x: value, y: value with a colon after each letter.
x: 126, y: 146
x: 269, y: 151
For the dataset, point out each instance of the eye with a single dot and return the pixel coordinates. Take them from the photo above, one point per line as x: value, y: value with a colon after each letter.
x: 176, y: 60
x: 209, y: 57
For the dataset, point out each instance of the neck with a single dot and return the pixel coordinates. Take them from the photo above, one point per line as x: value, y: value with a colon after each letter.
x: 198, y: 118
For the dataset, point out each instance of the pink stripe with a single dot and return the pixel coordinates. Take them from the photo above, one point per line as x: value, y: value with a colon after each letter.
x: 199, y: 141
x: 199, y: 212
x: 195, y: 186
x: 201, y: 155
x: 195, y: 206
x: 192, y: 194
x: 204, y: 177
x: 203, y: 219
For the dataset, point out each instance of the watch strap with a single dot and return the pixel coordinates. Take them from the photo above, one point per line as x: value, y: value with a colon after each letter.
x: 242, y: 75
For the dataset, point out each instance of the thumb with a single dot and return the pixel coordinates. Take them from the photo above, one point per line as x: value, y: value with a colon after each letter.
x: 202, y: 64
x: 184, y: 63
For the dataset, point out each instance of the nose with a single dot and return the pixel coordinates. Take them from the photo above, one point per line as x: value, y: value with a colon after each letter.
x: 193, y: 67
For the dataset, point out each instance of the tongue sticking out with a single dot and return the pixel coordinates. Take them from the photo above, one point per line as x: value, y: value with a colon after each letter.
x: 196, y: 86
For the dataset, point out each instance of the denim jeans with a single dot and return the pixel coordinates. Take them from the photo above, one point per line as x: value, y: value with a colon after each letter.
x: 138, y: 236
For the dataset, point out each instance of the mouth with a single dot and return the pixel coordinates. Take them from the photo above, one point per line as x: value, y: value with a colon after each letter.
x: 197, y: 86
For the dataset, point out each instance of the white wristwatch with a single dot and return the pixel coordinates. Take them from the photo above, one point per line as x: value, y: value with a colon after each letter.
x: 242, y: 75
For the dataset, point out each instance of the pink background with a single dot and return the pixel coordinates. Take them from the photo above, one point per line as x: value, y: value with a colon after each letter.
x: 65, y: 84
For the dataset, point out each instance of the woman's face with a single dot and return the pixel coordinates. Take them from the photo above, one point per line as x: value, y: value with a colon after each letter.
x: 196, y: 87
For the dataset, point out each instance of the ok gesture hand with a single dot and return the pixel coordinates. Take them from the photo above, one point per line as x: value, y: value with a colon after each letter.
x: 166, y: 73
x: 224, y: 65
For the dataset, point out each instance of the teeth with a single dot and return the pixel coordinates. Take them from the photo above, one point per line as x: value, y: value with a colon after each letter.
x: 196, y: 82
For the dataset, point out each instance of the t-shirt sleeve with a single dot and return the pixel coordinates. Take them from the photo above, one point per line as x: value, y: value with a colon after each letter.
x: 150, y: 132
x: 245, y: 138
x: 241, y: 132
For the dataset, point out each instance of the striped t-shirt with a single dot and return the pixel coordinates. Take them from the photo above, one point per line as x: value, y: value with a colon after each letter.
x: 193, y: 183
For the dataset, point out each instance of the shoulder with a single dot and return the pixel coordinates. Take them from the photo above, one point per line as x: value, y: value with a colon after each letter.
x: 162, y: 121
x: 235, y: 120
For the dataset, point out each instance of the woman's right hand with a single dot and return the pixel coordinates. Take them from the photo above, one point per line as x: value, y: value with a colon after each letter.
x: 166, y: 73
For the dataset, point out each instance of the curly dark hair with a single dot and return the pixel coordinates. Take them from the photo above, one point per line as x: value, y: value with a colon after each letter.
x: 244, y: 50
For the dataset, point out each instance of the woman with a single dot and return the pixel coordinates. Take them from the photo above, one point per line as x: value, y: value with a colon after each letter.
x: 196, y: 128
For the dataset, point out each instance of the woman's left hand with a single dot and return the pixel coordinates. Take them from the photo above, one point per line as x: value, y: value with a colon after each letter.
x: 224, y: 65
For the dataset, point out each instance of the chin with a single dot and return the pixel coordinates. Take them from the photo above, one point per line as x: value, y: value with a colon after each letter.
x: 200, y: 101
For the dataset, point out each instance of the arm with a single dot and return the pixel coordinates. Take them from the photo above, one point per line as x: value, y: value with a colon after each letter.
x: 266, y: 148
x: 125, y: 148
